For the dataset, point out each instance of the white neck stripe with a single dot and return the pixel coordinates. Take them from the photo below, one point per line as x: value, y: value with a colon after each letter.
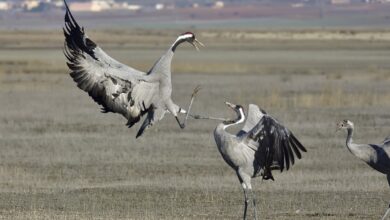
x: 242, y: 119
x: 180, y: 38
x: 183, y: 37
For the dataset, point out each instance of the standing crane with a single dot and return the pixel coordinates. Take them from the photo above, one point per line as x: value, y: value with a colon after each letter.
x: 119, y: 88
x: 375, y: 155
x: 262, y: 145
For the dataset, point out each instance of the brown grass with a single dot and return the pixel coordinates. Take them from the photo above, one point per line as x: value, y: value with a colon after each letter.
x: 26, y: 51
x: 60, y: 158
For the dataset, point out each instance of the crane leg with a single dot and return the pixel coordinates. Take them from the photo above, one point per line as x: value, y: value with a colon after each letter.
x: 246, y: 200
x: 245, y: 181
x: 387, y: 213
x: 182, y: 126
x: 254, y: 204
x: 388, y: 209
x: 196, y: 90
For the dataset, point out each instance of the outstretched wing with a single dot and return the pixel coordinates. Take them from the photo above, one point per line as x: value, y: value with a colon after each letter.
x: 254, y: 116
x: 276, y: 146
x: 110, y: 83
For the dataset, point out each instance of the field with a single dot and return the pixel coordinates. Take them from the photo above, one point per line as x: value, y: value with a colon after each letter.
x: 60, y: 158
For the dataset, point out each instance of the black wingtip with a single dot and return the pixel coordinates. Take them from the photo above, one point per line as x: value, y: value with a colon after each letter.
x: 66, y: 5
x: 68, y: 13
x: 75, y: 37
x: 69, y: 19
x: 300, y: 146
x: 139, y: 133
x: 142, y: 128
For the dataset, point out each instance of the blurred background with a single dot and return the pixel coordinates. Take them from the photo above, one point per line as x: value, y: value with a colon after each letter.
x: 308, y: 63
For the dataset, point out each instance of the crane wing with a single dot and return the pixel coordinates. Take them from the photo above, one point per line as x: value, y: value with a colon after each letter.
x: 276, y: 145
x: 113, y: 85
x: 254, y: 116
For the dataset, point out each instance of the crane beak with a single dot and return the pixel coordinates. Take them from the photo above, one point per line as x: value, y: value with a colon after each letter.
x: 195, y: 43
x: 200, y: 43
x: 338, y: 128
x: 230, y: 105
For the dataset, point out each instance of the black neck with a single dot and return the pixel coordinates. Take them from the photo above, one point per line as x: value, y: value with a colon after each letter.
x: 350, y: 134
x: 177, y: 44
x: 231, y: 122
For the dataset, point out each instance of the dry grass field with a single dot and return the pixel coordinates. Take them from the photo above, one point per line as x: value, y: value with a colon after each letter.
x: 60, y: 158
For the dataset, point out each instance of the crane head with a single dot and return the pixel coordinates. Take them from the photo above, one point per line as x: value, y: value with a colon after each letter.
x: 190, y: 38
x: 239, y: 111
x: 344, y: 124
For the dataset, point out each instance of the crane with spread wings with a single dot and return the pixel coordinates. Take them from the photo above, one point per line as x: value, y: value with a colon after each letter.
x: 262, y: 145
x: 119, y: 88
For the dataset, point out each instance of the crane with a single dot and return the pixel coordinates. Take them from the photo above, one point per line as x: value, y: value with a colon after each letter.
x: 375, y: 155
x: 119, y: 88
x: 262, y: 145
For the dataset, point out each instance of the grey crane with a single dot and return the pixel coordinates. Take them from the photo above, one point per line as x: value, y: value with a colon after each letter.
x: 119, y: 88
x: 375, y: 155
x: 262, y: 145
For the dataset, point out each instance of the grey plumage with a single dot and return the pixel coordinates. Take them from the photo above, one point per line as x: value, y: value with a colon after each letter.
x: 119, y: 88
x: 262, y: 145
x: 375, y: 155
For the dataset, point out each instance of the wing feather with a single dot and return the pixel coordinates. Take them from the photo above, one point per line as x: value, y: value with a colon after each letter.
x: 111, y: 84
x: 290, y: 152
x: 278, y: 143
x: 286, y: 154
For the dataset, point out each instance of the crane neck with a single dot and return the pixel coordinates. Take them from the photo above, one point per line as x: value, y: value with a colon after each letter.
x: 361, y: 151
x: 349, y: 142
x: 240, y: 119
x: 161, y: 70
x: 177, y: 42
x: 349, y: 136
